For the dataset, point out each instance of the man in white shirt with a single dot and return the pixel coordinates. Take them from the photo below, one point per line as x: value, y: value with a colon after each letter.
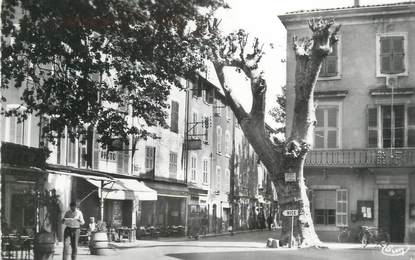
x: 73, y: 219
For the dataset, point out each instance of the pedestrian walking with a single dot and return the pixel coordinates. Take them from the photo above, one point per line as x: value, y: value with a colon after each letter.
x: 73, y: 219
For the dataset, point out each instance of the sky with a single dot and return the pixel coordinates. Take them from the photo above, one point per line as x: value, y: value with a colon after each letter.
x: 259, y: 19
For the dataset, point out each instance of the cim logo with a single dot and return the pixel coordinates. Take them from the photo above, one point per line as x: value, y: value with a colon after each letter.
x: 395, y: 250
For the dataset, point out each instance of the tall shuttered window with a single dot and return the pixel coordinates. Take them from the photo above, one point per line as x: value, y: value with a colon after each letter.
x: 173, y: 164
x: 205, y: 170
x: 174, y: 124
x: 392, y: 54
x: 16, y: 130
x: 193, y: 165
x: 150, y: 159
x: 218, y: 139
x: 342, y: 208
x: 329, y: 68
x: 411, y: 126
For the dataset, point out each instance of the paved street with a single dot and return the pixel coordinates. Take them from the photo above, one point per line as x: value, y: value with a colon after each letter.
x: 239, y: 247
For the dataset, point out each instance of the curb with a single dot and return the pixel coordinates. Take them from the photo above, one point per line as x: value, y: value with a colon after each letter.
x: 180, y: 239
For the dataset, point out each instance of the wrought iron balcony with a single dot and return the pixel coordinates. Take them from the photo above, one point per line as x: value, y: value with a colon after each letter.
x: 396, y: 157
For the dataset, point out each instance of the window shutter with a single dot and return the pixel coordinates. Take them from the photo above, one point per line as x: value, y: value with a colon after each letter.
x: 174, y: 124
x: 411, y: 126
x: 372, y: 115
x: 342, y: 208
x: 12, y: 129
x: 96, y: 151
x: 385, y: 55
x: 398, y: 54
x: 329, y: 65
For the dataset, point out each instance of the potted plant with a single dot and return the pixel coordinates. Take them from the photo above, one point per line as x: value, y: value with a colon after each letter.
x: 99, y: 239
x: 44, y: 242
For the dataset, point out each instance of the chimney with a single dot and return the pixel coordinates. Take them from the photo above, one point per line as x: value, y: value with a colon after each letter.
x: 356, y: 3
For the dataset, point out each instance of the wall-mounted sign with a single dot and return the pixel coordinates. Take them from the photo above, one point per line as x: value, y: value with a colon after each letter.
x: 290, y: 212
x: 194, y: 144
x: 290, y: 177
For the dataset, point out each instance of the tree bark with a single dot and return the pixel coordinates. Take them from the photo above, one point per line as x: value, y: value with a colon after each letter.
x: 289, y: 156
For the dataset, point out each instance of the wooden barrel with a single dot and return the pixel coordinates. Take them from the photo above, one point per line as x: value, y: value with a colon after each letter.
x: 99, y: 244
x: 44, y: 246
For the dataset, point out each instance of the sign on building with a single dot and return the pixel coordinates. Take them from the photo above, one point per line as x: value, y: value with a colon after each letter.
x: 290, y: 177
x: 290, y: 212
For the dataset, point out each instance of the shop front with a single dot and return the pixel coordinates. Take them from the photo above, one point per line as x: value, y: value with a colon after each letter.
x: 168, y: 213
x: 22, y: 177
x: 197, y: 221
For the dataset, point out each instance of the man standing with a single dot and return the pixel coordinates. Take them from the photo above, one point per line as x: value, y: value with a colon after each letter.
x: 73, y: 219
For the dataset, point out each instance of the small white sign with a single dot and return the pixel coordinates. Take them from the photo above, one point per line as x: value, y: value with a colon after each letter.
x: 290, y: 212
x: 290, y: 177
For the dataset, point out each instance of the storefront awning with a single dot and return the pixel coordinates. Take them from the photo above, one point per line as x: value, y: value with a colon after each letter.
x: 125, y: 189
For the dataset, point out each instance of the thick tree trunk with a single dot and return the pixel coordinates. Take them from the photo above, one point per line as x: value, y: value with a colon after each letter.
x: 290, y: 156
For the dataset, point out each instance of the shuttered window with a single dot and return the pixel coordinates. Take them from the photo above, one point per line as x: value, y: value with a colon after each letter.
x: 219, y: 139
x: 329, y: 68
x: 372, y: 114
x: 227, y: 143
x: 411, y: 126
x: 174, y: 124
x: 193, y: 165
x: 194, y: 125
x: 173, y: 164
x: 392, y: 55
x: 218, y: 176
x: 342, y: 208
x: 150, y: 159
x: 205, y: 170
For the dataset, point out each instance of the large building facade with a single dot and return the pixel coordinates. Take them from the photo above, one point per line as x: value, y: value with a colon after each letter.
x: 361, y: 169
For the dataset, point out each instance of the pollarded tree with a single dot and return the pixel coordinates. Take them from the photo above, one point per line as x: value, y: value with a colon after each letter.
x: 289, y: 156
x: 81, y: 62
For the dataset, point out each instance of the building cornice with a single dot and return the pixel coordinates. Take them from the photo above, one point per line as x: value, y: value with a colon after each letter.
x: 363, y: 12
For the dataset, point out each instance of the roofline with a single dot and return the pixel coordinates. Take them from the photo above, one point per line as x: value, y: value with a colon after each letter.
x: 349, y: 12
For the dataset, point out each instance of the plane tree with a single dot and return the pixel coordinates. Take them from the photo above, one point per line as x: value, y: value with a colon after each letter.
x: 278, y: 157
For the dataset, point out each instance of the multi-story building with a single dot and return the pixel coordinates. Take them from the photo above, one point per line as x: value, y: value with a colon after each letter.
x: 361, y: 168
x: 198, y: 152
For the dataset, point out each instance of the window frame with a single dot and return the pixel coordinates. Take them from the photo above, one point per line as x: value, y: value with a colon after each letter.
x: 148, y: 159
x: 219, y: 139
x: 379, y: 127
x: 193, y: 167
x: 339, y: 125
x: 174, y: 117
x: 172, y: 163
x: 25, y: 132
x: 339, y: 63
x: 378, y: 52
x: 205, y: 170
x: 339, y: 213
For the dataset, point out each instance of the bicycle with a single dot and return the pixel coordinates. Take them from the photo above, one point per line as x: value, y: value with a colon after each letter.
x: 374, y: 235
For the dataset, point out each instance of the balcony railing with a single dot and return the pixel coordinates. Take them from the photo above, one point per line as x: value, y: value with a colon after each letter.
x: 396, y: 157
